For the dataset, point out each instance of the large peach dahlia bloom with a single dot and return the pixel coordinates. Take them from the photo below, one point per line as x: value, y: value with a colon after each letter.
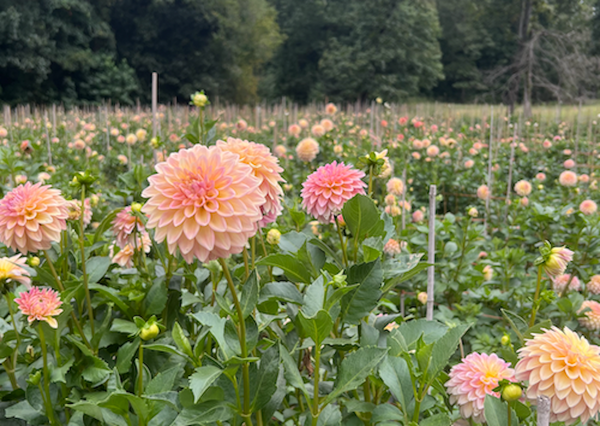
x: 204, y: 201
x: 474, y: 378
x: 325, y: 191
x: 266, y: 168
x: 563, y: 366
x: 32, y: 217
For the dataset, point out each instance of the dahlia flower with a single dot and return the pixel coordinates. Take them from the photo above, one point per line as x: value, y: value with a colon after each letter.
x: 123, y: 226
x: 32, y: 217
x: 327, y: 124
x: 330, y: 109
x: 469, y: 164
x: 474, y: 378
x: 563, y: 366
x: 422, y: 297
x: 307, y: 149
x: 568, y: 178
x: 591, y: 318
x: 488, y: 272
x: 392, y: 247
x: 74, y: 207
x: 523, y: 188
x: 294, y: 130
x: 418, y: 216
x: 559, y: 283
x: 325, y: 191
x: 395, y: 186
x: 483, y: 192
x: 593, y: 287
x: 124, y: 258
x: 204, y: 201
x: 557, y: 261
x: 266, y: 168
x: 433, y: 151
x: 41, y: 305
x: 588, y: 207
x: 317, y: 130
x: 12, y: 269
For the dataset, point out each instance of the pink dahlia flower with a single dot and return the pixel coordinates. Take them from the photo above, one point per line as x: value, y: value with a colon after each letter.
x: 474, y: 378
x: 559, y: 284
x: 593, y: 287
x: 392, y: 247
x: 124, y: 225
x: 41, y: 305
x: 330, y: 109
x: 266, y: 169
x: 588, y: 207
x: 568, y: 178
x: 563, y: 366
x: 325, y: 191
x: 483, y: 192
x: 591, y: 318
x: 75, y: 211
x: 204, y: 201
x: 32, y: 217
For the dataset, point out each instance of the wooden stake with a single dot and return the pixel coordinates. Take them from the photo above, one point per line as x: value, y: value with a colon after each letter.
x: 510, y: 167
x: 489, y: 177
x: 45, y: 118
x: 543, y: 411
x: 431, y: 255
x: 404, y: 199
x: 154, y: 103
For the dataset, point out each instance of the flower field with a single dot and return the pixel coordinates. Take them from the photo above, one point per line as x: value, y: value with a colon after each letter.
x: 364, y: 265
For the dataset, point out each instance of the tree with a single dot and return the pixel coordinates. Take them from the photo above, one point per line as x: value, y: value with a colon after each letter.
x: 57, y: 52
x: 217, y: 46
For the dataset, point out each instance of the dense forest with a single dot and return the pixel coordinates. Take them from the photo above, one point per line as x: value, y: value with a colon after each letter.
x: 89, y: 51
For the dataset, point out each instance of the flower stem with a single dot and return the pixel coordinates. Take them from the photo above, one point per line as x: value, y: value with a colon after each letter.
x: 242, y: 337
x: 49, y: 409
x: 13, y: 362
x: 509, y: 414
x: 370, y: 180
x: 10, y: 371
x: 141, y: 369
x: 264, y: 247
x: 536, y: 297
x: 60, y: 286
x: 315, y: 410
x: 88, y: 298
x: 339, y: 232
x: 246, y: 267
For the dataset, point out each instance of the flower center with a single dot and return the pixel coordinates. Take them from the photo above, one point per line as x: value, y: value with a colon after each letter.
x: 199, y: 191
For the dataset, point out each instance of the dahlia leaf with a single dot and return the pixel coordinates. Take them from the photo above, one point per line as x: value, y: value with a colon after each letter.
x: 317, y: 327
x: 249, y: 295
x: 283, y: 291
x: 292, y: 267
x: 358, y: 303
x: 355, y: 368
x: 202, y: 379
x: 265, y: 384
x: 496, y: 413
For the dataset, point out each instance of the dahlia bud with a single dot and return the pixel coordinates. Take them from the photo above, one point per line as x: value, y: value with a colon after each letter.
x: 505, y: 341
x: 473, y: 212
x: 34, y: 378
x: 512, y: 392
x: 199, y: 99
x: 136, y: 207
x: 34, y: 261
x: 273, y: 237
x: 422, y: 297
x: 149, y: 331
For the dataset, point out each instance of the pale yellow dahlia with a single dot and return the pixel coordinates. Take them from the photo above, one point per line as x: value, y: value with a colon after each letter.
x: 12, y: 269
x: 204, y: 201
x: 32, y: 217
x: 563, y: 366
x: 266, y: 168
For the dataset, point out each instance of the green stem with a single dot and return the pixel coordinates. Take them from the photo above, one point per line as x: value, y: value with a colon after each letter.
x: 8, y: 367
x: 315, y: 410
x: 246, y: 414
x: 88, y: 297
x: 246, y: 267
x: 60, y: 286
x: 509, y: 415
x: 18, y: 337
x: 49, y: 408
x: 264, y: 247
x: 253, y: 247
x: 536, y: 297
x: 141, y: 369
x: 339, y: 232
x: 370, y: 180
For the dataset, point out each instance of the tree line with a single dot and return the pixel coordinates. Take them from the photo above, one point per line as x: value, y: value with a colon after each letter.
x: 90, y: 51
